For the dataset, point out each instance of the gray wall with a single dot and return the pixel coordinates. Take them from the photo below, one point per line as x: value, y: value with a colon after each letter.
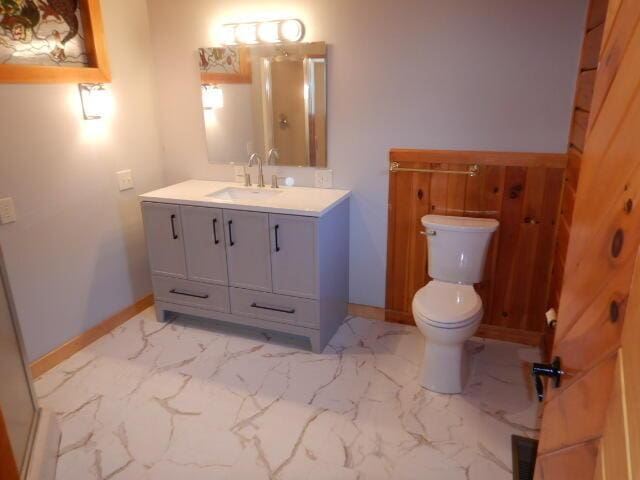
x: 455, y: 74
x: 76, y: 255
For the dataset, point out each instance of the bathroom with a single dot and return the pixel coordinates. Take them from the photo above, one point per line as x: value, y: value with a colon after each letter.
x: 135, y: 349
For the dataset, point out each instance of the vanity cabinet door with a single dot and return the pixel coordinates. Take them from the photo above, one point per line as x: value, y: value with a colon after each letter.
x: 163, y: 230
x: 203, y: 229
x: 294, y: 255
x: 248, y: 255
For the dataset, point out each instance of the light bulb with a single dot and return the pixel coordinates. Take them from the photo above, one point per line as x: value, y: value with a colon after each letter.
x: 246, y: 33
x: 212, y: 97
x: 268, y: 32
x: 228, y: 35
x: 291, y: 30
x: 96, y: 100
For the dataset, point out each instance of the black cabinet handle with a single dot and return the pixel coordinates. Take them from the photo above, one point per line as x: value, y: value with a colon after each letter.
x: 178, y: 292
x: 552, y: 370
x: 275, y: 309
x: 231, y: 244
x: 173, y: 226
x: 215, y: 234
x: 277, y: 243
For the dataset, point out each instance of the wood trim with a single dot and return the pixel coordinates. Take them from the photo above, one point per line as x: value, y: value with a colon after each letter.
x: 98, y: 72
x: 366, y: 311
x: 8, y: 466
x: 470, y: 157
x: 244, y: 76
x: 64, y: 351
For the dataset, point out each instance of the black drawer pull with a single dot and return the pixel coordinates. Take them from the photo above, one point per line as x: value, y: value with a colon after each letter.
x: 277, y: 243
x: 178, y: 292
x: 275, y: 309
x: 231, y: 244
x: 215, y: 234
x: 173, y: 226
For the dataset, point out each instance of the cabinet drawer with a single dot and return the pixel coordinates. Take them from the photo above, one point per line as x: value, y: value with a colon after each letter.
x: 194, y: 294
x: 278, y: 308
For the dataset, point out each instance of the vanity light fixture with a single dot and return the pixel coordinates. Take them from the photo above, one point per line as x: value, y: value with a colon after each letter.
x: 212, y: 97
x: 96, y: 100
x: 271, y: 31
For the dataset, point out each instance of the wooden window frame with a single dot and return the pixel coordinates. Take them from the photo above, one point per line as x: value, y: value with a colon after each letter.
x: 97, y: 71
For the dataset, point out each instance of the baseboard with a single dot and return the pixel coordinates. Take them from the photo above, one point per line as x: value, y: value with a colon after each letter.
x: 64, y: 351
x: 366, y: 311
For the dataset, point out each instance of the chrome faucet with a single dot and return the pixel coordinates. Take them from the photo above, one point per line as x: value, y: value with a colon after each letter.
x: 273, y: 152
x: 252, y: 160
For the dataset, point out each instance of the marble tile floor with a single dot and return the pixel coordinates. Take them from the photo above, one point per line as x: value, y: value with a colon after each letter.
x: 193, y: 400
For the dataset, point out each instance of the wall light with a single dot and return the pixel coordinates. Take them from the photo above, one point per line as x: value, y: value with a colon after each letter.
x: 272, y: 31
x: 96, y: 100
x: 212, y: 97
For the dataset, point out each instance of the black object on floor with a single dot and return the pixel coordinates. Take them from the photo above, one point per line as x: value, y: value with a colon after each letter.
x: 523, y: 451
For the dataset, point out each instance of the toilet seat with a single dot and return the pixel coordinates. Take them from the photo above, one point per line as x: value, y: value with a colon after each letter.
x: 447, y: 305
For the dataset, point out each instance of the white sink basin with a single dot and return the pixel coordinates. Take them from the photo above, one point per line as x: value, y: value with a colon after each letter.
x: 233, y: 193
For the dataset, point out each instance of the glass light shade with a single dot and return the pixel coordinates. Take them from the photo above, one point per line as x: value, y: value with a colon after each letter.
x: 268, y: 32
x: 212, y: 97
x: 246, y: 33
x: 96, y: 100
x: 291, y: 30
x: 228, y: 35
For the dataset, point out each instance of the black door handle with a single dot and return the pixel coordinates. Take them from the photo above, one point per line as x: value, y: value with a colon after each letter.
x: 277, y: 227
x: 186, y: 294
x: 552, y: 370
x: 275, y: 309
x: 215, y: 234
x: 173, y: 226
x: 231, y: 244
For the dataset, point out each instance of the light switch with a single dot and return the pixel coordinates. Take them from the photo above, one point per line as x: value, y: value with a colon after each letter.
x: 7, y: 210
x: 324, y: 178
x: 125, y: 179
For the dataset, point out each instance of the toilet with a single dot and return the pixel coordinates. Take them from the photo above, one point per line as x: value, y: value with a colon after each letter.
x: 447, y: 310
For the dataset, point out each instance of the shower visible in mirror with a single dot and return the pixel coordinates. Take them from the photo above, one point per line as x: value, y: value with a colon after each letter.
x: 272, y: 97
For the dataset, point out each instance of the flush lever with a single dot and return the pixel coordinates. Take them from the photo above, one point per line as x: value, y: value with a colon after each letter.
x: 552, y: 370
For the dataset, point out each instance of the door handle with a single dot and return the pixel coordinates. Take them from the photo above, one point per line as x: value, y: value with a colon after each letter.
x: 277, y: 242
x: 275, y: 309
x: 173, y: 226
x: 231, y: 244
x: 215, y: 234
x: 552, y: 370
x: 187, y: 294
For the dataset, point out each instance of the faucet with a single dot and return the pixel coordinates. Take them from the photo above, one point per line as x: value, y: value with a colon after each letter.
x: 273, y: 152
x: 253, y: 159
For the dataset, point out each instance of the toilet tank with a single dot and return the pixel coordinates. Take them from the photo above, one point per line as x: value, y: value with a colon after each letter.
x: 457, y: 247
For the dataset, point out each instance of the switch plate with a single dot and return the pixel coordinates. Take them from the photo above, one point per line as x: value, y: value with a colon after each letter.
x: 238, y: 173
x: 125, y: 180
x: 324, y: 178
x: 7, y: 211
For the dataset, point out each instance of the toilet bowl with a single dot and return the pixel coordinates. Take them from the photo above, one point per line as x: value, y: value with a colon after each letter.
x: 448, y: 310
x: 447, y: 314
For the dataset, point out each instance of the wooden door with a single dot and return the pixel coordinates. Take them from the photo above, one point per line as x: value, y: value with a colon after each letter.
x: 294, y: 255
x: 203, y: 229
x: 595, y: 304
x: 248, y: 249
x: 163, y: 230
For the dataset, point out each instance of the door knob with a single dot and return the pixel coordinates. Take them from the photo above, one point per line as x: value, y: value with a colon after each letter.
x: 552, y: 370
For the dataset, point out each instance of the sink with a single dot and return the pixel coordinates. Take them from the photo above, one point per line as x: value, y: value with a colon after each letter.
x: 233, y: 193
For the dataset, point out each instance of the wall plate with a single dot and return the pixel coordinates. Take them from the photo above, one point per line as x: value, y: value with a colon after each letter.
x: 7, y: 211
x: 324, y: 178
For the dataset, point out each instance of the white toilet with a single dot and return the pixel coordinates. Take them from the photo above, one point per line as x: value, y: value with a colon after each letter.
x: 447, y: 310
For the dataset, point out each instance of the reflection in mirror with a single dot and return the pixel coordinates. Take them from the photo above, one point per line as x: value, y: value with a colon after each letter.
x: 266, y: 99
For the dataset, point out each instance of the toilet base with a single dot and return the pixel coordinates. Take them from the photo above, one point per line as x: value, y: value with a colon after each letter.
x: 445, y: 368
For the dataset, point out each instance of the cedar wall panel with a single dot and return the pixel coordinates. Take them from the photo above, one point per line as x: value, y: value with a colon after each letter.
x: 523, y: 194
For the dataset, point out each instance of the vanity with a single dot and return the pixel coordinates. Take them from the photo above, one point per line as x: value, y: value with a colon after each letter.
x: 272, y: 258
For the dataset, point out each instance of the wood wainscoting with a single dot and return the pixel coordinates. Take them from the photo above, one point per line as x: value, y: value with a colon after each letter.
x: 521, y: 190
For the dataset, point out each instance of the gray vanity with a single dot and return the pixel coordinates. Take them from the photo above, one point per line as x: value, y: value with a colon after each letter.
x: 277, y: 260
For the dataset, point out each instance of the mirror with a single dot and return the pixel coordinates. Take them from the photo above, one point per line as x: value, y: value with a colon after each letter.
x: 266, y: 99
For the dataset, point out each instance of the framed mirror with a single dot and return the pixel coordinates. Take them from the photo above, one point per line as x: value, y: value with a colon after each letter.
x: 266, y: 99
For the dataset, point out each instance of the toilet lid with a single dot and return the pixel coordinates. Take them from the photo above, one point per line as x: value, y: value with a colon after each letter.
x: 446, y: 303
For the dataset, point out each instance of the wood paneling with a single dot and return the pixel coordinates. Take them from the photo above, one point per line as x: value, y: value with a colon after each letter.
x: 599, y: 304
x: 8, y: 465
x: 523, y: 198
x: 61, y: 353
x: 576, y: 462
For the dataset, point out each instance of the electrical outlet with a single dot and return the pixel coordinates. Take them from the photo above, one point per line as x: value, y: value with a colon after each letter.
x: 238, y: 173
x: 324, y: 178
x: 125, y: 180
x: 7, y: 211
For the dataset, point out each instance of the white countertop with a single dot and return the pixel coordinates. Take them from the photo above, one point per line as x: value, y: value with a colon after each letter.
x: 311, y: 202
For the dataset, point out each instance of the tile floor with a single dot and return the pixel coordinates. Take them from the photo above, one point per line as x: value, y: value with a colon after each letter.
x: 188, y: 400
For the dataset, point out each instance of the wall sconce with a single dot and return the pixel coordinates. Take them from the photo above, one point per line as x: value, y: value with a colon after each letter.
x: 272, y: 31
x: 212, y: 97
x: 96, y: 100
